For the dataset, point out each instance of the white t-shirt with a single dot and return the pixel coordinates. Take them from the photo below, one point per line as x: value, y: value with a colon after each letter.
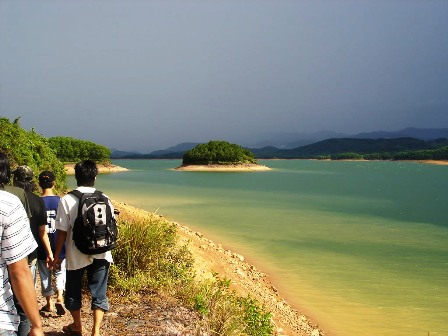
x: 16, y: 243
x: 65, y: 218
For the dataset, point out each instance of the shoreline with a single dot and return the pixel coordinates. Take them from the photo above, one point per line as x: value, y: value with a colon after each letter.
x: 102, y: 168
x: 224, y: 168
x: 211, y: 257
x: 112, y: 168
x: 434, y: 162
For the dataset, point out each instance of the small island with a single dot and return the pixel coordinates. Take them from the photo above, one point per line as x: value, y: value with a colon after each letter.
x: 220, y: 156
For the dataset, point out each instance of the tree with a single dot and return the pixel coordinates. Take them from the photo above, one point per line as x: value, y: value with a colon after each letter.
x: 218, y: 152
x: 29, y: 148
x: 72, y: 150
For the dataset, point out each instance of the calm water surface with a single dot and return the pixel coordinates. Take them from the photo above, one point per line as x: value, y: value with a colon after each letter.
x: 362, y: 247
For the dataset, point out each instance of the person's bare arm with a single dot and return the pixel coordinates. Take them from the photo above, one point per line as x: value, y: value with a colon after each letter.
x: 23, y: 285
x: 46, y: 242
x: 60, y: 240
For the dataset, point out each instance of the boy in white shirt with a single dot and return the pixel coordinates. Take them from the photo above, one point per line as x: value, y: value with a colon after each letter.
x: 96, y: 266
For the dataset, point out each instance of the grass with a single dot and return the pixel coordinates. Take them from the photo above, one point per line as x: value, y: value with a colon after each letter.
x: 149, y: 259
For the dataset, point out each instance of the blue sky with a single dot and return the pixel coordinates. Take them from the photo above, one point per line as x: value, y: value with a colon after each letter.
x: 146, y: 75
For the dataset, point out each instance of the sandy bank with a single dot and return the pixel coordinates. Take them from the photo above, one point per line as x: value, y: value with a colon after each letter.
x: 102, y: 168
x: 246, y: 279
x: 224, y: 168
x: 436, y: 162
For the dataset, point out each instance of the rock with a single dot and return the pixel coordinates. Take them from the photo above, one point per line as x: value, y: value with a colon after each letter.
x: 238, y: 256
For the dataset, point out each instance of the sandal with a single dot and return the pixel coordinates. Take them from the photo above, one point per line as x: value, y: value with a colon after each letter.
x: 60, y: 310
x: 45, y: 312
x: 69, y: 331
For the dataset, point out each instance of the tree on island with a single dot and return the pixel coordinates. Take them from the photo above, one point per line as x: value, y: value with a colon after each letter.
x: 218, y: 153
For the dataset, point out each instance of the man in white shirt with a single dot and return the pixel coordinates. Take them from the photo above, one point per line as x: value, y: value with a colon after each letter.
x: 96, y: 266
x: 16, y: 244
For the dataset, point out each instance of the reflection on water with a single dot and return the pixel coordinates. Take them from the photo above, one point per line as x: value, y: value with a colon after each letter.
x: 360, y: 245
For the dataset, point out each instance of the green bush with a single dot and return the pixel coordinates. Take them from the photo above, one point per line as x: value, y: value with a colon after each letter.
x: 31, y: 149
x: 226, y: 313
x: 218, y: 152
x: 147, y: 256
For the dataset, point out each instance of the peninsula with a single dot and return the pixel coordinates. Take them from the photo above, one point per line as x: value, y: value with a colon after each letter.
x: 102, y: 168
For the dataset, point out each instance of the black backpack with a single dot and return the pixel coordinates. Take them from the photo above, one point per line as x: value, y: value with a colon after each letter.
x: 95, y: 228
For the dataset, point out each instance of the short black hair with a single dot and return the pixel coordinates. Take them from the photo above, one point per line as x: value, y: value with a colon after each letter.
x: 46, y: 179
x: 85, y: 173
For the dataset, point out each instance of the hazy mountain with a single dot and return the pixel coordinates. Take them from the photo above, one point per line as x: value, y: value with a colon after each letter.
x: 281, y: 144
x: 354, y: 145
x: 287, y: 140
x: 174, y: 152
x: 412, y: 132
x: 118, y: 154
x: 183, y: 147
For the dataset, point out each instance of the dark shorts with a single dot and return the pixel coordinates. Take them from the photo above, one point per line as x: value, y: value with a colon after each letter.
x: 97, y: 276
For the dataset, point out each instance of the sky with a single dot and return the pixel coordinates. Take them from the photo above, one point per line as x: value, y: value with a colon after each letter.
x: 143, y: 75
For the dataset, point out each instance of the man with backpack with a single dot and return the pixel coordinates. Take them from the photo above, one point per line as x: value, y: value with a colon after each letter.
x: 85, y: 222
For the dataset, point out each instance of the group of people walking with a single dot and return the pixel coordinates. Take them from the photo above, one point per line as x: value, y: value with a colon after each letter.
x: 36, y: 234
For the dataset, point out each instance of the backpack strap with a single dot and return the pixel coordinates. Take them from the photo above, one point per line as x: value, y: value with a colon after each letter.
x: 77, y: 193
x: 81, y: 196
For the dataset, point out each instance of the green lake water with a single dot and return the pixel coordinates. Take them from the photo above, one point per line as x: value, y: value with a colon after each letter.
x: 361, y: 247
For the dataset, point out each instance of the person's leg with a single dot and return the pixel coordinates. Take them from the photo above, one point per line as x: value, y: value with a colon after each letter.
x: 60, y: 276
x: 33, y: 265
x: 45, y: 284
x: 73, y: 298
x: 98, y: 315
x: 97, y: 276
x: 60, y: 287
x: 77, y: 324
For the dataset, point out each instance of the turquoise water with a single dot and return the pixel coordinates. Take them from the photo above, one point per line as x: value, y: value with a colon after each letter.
x: 361, y: 247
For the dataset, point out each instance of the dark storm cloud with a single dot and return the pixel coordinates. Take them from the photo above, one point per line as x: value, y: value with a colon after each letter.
x: 145, y: 75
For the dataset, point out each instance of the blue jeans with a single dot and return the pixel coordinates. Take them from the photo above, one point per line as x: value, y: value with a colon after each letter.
x: 45, y: 278
x: 97, y: 276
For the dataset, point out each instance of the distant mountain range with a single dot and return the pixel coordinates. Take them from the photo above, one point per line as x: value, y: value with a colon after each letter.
x: 320, y: 143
